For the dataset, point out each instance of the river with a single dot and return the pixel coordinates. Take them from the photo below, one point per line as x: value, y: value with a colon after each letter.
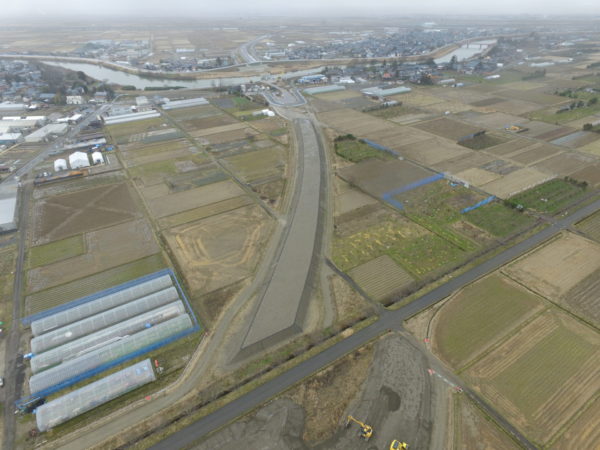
x: 123, y: 78
x: 466, y: 51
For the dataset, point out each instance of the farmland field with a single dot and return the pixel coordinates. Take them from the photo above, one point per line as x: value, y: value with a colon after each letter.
x: 535, y: 153
x: 550, y: 197
x: 219, y: 250
x: 381, y: 277
x: 259, y: 164
x: 377, y: 177
x: 411, y: 246
x: 65, y: 215
x: 448, y: 128
x: 499, y: 220
x: 355, y: 150
x: 56, y: 251
x: 516, y: 182
x: 204, y: 211
x: 168, y: 205
x: 433, y: 150
x: 105, y: 248
x: 542, y: 375
x: 584, y: 432
x: 478, y: 315
x: 591, y: 226
x: 582, y: 299
x: 58, y: 295
x: 556, y: 267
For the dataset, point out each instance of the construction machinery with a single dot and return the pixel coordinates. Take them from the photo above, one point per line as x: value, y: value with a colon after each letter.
x: 366, y: 431
x: 397, y: 445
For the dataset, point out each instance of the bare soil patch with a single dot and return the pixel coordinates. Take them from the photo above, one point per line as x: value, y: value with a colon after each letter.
x: 553, y: 269
x: 219, y: 250
x: 193, y: 198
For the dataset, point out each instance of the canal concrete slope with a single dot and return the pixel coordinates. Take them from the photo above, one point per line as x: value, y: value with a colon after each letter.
x: 284, y: 297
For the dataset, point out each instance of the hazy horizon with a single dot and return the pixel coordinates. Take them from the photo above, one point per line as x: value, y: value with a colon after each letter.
x: 306, y: 8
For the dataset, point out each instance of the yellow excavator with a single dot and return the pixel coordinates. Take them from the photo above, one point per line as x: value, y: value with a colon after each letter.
x: 397, y: 445
x: 366, y: 431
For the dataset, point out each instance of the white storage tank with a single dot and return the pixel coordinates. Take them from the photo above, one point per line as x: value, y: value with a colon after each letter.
x: 97, y: 158
x: 60, y: 164
x: 79, y: 159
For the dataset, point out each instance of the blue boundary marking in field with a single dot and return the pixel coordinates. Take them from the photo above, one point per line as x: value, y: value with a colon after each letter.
x: 377, y: 146
x: 485, y: 201
x: 90, y: 373
x: 389, y: 196
x: 80, y: 301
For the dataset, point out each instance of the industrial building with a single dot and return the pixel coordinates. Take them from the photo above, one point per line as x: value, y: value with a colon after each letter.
x: 46, y: 132
x: 60, y: 164
x: 10, y: 138
x: 312, y: 79
x: 80, y: 339
x: 94, y: 394
x: 78, y: 160
x: 187, y: 103
x: 382, y: 92
x: 323, y: 89
x: 131, y: 117
x: 12, y: 107
x: 8, y: 206
x: 15, y: 124
x: 74, y: 100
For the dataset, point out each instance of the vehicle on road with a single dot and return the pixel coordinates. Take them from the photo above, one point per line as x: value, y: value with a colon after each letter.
x: 1, y: 381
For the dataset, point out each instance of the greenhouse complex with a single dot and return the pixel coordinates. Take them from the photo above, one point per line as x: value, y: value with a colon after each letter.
x: 94, y: 394
x: 85, y: 337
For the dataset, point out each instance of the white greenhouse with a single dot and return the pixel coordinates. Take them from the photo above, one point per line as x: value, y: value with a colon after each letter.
x: 78, y: 160
x: 97, y: 158
x: 60, y: 164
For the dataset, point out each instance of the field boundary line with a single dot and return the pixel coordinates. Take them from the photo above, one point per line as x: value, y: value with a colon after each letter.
x: 502, y: 340
x: 553, y: 303
x: 493, y: 421
x: 563, y: 429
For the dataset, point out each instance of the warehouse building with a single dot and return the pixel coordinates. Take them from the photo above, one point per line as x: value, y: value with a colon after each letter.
x: 47, y: 132
x: 10, y: 138
x: 382, y: 92
x: 8, y: 206
x: 11, y: 107
x: 187, y: 103
x: 131, y: 117
x: 323, y: 89
x: 94, y: 394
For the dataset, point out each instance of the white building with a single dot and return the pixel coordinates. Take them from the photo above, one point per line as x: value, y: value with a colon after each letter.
x: 78, y: 160
x: 60, y: 164
x: 97, y: 158
x: 45, y: 133
x: 74, y: 100
x: 10, y: 138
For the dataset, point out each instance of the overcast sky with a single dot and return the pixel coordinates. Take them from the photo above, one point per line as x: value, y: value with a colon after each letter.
x: 240, y: 8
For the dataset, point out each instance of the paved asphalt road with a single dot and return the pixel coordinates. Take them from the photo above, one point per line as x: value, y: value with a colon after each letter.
x: 389, y: 320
